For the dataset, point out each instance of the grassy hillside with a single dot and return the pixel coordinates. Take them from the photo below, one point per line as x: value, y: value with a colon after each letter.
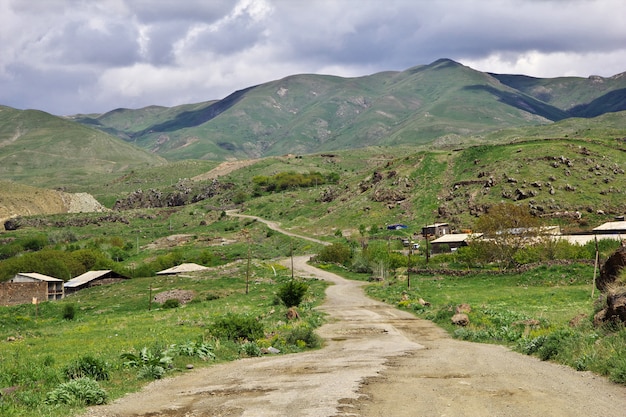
x: 43, y: 150
x: 580, y: 97
x: 302, y: 114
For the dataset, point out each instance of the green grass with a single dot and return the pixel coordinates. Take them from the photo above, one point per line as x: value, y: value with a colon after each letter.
x: 532, y: 312
x: 116, y: 319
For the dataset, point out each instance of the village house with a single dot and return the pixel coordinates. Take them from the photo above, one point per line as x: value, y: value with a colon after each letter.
x: 92, y: 279
x: 452, y: 242
x: 436, y: 230
x: 28, y: 287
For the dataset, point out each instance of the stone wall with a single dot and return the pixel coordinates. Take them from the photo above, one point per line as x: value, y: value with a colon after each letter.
x: 12, y: 293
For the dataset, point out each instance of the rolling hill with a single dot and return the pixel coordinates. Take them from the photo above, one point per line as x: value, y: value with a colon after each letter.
x: 443, y: 101
x: 48, y: 151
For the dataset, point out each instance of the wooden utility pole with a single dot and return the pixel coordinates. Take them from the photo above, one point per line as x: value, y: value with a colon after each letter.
x: 595, y: 268
x: 246, y: 233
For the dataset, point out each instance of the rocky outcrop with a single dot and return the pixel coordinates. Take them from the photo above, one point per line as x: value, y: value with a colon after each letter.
x: 611, y: 269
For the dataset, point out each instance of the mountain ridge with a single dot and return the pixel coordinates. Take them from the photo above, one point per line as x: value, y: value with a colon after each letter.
x: 308, y: 113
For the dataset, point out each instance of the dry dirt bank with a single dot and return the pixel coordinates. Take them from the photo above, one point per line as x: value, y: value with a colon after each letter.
x: 377, y: 361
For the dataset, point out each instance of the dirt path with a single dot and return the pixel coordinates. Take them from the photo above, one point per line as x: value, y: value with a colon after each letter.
x: 275, y: 226
x: 377, y: 361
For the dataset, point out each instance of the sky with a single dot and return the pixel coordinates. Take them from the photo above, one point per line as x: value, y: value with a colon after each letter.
x: 92, y: 56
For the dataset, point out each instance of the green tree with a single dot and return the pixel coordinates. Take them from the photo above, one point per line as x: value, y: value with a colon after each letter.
x: 336, y: 253
x: 506, y: 228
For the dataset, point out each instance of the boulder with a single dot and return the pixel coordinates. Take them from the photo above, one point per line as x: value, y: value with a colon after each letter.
x: 611, y: 269
x: 463, y: 308
x: 292, y: 314
x: 615, y: 310
x: 460, y: 319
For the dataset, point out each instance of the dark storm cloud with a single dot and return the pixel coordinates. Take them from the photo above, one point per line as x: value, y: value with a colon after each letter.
x: 132, y: 53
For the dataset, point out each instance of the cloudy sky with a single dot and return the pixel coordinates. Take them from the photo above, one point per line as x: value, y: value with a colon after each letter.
x: 83, y: 56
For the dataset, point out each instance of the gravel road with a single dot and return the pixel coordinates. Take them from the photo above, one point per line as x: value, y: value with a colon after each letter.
x: 377, y: 361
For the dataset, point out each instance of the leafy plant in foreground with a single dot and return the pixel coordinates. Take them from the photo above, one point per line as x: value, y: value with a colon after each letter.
x: 87, y: 366
x: 81, y: 391
x: 198, y: 349
x: 151, y: 365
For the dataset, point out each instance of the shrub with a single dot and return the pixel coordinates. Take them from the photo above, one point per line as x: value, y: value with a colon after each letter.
x: 302, y: 336
x: 292, y: 292
x: 237, y: 327
x: 251, y: 349
x: 87, y: 366
x: 82, y: 391
x: 69, y: 312
x: 336, y: 253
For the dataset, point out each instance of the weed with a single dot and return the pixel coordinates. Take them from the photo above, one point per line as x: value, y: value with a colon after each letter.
x: 152, y: 365
x: 82, y: 391
x: 87, y: 366
x: 251, y: 349
x: 198, y: 349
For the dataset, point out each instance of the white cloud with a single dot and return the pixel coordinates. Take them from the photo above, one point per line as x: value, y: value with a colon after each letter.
x: 99, y: 55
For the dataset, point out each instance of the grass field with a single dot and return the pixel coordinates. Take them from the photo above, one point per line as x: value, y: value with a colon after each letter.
x: 112, y: 320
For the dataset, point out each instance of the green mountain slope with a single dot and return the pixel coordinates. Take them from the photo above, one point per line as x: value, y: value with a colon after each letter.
x: 44, y: 150
x: 310, y: 113
x: 579, y: 97
x: 313, y: 113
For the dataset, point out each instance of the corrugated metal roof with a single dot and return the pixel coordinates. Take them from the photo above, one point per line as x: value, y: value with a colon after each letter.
x: 85, y: 278
x: 584, y: 239
x: 39, y: 277
x: 611, y: 227
x: 188, y: 267
x: 456, y: 237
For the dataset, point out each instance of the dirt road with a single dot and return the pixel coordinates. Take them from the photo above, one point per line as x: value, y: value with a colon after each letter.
x: 377, y: 361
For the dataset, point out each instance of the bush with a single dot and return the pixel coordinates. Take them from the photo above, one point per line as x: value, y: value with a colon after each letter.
x: 69, y: 312
x: 82, y: 391
x: 336, y: 253
x: 292, y: 292
x: 87, y: 366
x: 237, y: 327
x: 302, y: 336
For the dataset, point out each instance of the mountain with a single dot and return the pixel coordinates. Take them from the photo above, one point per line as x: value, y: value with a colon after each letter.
x: 300, y: 114
x: 44, y: 150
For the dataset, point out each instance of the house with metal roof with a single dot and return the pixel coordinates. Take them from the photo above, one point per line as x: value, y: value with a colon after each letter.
x: 92, y: 279
x: 452, y: 242
x: 613, y: 228
x: 27, y: 287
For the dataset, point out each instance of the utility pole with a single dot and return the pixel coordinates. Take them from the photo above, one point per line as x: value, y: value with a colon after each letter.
x: 408, y: 266
x: 291, y: 250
